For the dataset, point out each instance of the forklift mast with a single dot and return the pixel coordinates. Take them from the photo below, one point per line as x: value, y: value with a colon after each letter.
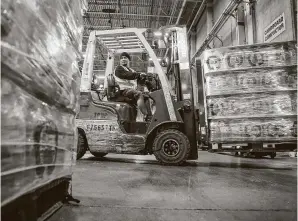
x: 182, y: 80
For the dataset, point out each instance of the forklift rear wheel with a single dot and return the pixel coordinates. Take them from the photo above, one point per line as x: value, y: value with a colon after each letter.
x: 82, y: 146
x: 171, y: 147
x: 98, y: 154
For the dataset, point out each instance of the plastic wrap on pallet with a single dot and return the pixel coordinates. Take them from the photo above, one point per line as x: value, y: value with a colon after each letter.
x: 251, y: 92
x: 265, y: 129
x: 40, y: 47
x: 41, y: 40
x: 37, y: 141
x: 252, y: 56
x: 253, y: 105
x: 254, y: 80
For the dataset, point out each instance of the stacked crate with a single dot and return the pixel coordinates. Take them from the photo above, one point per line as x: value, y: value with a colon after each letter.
x: 40, y: 46
x: 251, y: 93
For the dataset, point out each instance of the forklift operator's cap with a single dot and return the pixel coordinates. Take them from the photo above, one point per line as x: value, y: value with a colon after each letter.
x: 126, y: 55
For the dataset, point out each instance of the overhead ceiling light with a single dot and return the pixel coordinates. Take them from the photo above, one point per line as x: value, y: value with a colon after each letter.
x: 157, y: 34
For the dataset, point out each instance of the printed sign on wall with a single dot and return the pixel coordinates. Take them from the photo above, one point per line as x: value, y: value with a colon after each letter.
x: 275, y: 28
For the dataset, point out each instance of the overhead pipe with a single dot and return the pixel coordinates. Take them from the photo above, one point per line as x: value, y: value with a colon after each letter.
x: 198, y: 15
x: 180, y: 13
x: 294, y: 18
x: 254, y: 20
x: 217, y: 26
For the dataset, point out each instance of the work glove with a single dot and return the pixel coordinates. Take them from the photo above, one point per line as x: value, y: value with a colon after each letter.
x: 142, y: 75
x: 141, y: 79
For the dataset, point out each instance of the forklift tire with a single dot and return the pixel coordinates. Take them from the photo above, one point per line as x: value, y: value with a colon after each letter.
x: 272, y: 155
x: 82, y: 146
x: 98, y: 154
x: 171, y: 147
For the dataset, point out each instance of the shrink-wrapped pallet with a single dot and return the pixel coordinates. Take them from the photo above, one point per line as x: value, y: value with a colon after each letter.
x: 40, y: 47
x: 254, y: 80
x: 253, y: 105
x: 251, y: 93
x: 251, y: 56
x: 253, y: 130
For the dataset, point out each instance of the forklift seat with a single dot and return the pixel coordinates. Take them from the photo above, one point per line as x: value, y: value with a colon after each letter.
x: 112, y: 87
x: 114, y: 92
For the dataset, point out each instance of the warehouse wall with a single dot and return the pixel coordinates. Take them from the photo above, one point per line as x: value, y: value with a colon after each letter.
x: 248, y: 24
x: 228, y: 32
x: 201, y: 30
x: 267, y: 11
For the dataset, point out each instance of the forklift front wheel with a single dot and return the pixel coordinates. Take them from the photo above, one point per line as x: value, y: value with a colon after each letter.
x: 82, y: 146
x: 171, y: 147
x: 272, y: 155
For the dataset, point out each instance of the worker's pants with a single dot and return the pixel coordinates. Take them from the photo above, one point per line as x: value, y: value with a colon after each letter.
x: 138, y: 99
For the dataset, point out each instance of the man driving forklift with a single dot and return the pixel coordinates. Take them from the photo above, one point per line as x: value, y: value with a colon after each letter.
x: 127, y: 79
x: 110, y: 126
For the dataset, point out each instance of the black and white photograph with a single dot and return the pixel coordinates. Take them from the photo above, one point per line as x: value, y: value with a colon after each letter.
x: 148, y: 110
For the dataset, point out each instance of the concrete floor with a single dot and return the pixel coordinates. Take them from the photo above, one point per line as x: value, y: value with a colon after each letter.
x: 215, y: 187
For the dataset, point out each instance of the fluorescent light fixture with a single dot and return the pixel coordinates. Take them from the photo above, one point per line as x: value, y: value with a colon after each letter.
x: 110, y: 42
x: 108, y: 38
x: 115, y: 47
x: 157, y: 33
x: 130, y: 43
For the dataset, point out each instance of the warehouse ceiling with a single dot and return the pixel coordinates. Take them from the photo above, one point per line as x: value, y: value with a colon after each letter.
x: 117, y: 14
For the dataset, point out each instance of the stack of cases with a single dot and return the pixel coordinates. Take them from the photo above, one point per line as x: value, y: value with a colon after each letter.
x: 251, y: 93
x: 40, y: 47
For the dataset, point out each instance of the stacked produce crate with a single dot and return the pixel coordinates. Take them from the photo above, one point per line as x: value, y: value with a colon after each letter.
x: 40, y: 46
x: 251, y: 93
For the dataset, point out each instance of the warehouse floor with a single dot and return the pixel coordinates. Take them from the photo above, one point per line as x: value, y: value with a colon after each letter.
x: 216, y: 187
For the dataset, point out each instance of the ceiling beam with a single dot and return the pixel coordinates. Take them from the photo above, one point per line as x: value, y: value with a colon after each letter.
x: 180, y: 13
x: 104, y: 2
x: 100, y: 26
x: 151, y: 12
x: 129, y: 14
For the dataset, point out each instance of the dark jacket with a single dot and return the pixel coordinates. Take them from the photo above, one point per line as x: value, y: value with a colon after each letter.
x: 121, y: 73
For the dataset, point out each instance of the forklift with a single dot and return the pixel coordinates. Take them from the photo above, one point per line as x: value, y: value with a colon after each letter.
x: 108, y: 126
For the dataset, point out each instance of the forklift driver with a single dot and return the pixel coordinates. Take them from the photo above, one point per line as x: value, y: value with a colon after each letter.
x: 127, y: 78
